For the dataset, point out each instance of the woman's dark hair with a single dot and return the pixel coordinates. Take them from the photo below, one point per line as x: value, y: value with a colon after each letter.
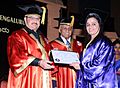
x: 96, y: 16
x: 117, y: 41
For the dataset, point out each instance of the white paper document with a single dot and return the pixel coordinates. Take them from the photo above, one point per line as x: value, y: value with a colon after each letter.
x: 64, y: 57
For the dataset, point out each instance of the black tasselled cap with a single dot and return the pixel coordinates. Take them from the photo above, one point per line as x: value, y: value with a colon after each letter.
x: 67, y: 21
x: 33, y: 9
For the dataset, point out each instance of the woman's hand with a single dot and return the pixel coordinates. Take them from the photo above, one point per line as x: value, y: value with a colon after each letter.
x: 76, y: 65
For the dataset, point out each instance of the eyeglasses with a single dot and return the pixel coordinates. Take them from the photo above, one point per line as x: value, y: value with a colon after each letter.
x: 32, y: 18
x: 65, y: 28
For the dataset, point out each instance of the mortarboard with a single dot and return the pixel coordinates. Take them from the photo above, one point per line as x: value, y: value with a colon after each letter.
x: 67, y: 21
x: 87, y: 11
x: 33, y: 9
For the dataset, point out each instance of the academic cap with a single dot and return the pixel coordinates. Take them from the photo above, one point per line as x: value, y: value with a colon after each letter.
x: 67, y: 21
x: 33, y: 9
x: 87, y: 11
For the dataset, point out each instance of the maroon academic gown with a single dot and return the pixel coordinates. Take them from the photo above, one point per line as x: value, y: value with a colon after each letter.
x: 22, y: 49
x: 66, y: 75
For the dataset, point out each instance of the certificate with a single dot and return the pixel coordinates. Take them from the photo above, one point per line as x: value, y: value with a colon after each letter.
x: 64, y: 57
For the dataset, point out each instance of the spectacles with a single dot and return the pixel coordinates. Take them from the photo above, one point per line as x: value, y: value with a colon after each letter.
x: 66, y: 28
x: 31, y: 17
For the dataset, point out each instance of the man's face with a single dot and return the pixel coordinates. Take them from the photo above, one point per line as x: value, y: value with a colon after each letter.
x: 32, y: 21
x: 66, y: 31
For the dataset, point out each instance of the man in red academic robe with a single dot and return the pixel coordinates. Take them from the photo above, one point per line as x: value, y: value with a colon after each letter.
x: 28, y: 54
x: 66, y: 74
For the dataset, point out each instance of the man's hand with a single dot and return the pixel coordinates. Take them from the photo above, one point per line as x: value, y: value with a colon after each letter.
x: 45, y: 64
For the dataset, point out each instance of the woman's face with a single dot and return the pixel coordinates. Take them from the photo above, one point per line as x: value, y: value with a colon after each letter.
x: 32, y: 21
x: 92, y: 26
x: 117, y: 49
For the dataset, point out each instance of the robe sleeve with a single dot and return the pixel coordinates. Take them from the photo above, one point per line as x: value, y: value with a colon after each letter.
x: 18, y: 56
x: 99, y: 62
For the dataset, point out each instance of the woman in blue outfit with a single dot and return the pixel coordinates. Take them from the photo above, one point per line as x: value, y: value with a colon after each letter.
x: 97, y: 61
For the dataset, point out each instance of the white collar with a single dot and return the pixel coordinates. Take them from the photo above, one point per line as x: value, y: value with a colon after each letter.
x: 64, y: 40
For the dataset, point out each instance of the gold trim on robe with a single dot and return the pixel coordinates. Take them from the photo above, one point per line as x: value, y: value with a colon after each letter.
x: 27, y: 62
x: 44, y: 57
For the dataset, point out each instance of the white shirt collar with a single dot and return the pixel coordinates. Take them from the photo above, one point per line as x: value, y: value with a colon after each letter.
x: 64, y: 40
